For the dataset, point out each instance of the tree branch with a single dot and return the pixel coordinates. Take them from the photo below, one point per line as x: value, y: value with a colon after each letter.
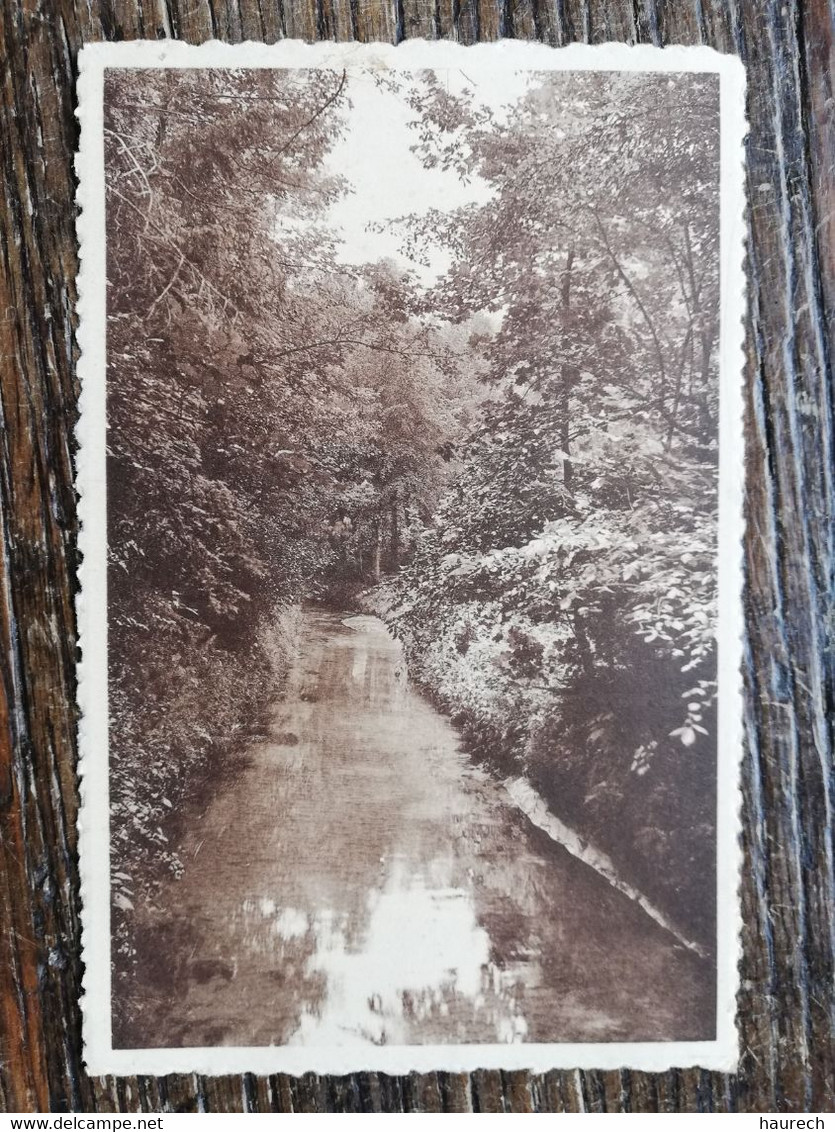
x: 634, y: 293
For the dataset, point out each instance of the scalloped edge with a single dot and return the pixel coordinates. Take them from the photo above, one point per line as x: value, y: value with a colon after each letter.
x: 91, y: 604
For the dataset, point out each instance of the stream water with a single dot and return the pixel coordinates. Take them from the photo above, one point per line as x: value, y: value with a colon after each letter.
x: 360, y: 880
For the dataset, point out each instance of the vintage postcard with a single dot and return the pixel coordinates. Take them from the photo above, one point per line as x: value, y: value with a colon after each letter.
x: 410, y: 478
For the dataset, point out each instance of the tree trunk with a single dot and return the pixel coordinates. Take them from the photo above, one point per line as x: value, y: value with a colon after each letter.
x: 378, y: 548
x: 394, y: 544
x: 701, y: 326
x: 567, y: 380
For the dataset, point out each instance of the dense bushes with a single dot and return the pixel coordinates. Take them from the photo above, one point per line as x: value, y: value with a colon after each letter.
x: 527, y: 445
x: 583, y: 660
x: 561, y: 603
x: 180, y: 703
x: 278, y: 426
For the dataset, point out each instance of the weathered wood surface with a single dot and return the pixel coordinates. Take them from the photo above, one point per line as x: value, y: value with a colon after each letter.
x: 786, y: 1003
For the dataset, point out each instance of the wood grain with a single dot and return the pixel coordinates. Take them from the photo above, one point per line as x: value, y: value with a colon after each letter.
x: 786, y: 1006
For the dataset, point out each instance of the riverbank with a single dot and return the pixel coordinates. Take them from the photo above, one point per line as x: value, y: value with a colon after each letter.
x: 170, y: 759
x: 651, y: 820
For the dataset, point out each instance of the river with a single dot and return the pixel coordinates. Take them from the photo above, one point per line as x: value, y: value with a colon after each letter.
x: 358, y: 880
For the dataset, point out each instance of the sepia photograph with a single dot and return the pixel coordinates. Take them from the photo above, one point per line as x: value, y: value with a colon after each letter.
x: 412, y: 700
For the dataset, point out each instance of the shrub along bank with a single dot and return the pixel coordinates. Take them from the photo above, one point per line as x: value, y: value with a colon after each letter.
x: 582, y: 659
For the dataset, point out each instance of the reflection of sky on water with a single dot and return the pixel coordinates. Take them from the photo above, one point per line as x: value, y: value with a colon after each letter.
x: 420, y: 948
x: 420, y: 956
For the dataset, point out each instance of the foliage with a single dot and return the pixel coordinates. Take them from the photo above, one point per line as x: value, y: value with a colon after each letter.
x: 562, y: 605
x: 276, y: 425
x: 521, y: 458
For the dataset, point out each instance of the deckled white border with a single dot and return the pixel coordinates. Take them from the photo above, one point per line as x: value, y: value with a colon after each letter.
x: 91, y: 605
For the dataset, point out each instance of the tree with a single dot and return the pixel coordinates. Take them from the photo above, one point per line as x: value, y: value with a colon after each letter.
x: 574, y: 555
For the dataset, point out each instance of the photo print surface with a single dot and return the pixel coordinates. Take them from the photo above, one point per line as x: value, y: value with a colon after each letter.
x: 413, y: 390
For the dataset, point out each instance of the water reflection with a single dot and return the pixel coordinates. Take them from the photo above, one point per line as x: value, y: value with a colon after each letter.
x: 363, y: 882
x: 424, y: 960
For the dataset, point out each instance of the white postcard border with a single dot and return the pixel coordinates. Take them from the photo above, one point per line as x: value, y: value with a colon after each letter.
x: 91, y: 605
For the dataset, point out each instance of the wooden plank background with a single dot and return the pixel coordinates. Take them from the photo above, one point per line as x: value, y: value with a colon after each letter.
x: 786, y: 1004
